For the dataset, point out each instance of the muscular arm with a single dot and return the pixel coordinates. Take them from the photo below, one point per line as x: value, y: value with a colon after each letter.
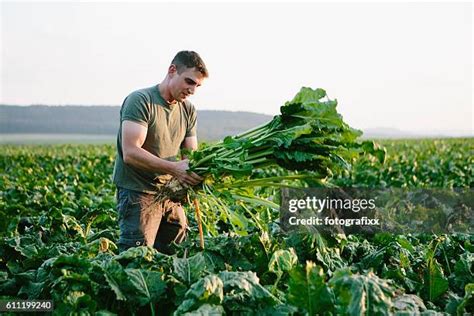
x: 190, y: 143
x: 133, y: 137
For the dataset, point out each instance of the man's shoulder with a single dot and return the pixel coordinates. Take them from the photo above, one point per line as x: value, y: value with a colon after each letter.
x: 145, y: 93
x: 188, y: 106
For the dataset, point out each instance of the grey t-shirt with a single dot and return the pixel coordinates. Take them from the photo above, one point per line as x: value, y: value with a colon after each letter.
x: 168, y: 125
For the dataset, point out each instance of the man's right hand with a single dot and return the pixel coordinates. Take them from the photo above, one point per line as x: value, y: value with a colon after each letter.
x: 184, y: 177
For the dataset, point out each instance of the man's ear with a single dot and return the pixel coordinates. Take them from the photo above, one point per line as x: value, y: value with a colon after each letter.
x: 172, y: 69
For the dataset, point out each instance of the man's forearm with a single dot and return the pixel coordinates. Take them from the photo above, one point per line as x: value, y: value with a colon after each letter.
x: 189, y: 143
x: 142, y: 159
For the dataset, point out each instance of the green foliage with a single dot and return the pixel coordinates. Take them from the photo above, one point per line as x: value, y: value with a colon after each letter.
x: 208, y: 290
x: 244, y: 293
x: 467, y: 304
x: 435, y: 283
x: 309, y: 291
x: 191, y: 269
x: 309, y: 134
x: 283, y: 261
x: 408, y: 304
x: 60, y: 224
x: 428, y: 163
x: 362, y: 294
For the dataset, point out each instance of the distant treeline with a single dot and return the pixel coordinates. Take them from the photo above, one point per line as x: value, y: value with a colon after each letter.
x: 104, y: 120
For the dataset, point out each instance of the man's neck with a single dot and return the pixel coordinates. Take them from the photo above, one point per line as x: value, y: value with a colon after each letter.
x: 165, y: 93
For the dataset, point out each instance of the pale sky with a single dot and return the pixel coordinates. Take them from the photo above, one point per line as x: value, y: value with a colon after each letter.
x: 399, y: 65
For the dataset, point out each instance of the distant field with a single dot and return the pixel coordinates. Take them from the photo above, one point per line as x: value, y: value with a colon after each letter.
x: 56, y: 139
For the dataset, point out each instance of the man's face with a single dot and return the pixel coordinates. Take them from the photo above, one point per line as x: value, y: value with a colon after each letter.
x: 184, y: 84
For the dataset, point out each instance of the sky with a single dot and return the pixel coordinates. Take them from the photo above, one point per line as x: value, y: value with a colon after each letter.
x: 400, y: 65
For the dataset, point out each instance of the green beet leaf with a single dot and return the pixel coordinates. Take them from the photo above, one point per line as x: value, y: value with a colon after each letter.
x: 137, y: 286
x: 464, y: 270
x: 149, y: 284
x: 243, y: 292
x: 409, y: 304
x: 309, y: 291
x: 359, y: 294
x: 188, y: 270
x: 205, y: 310
x: 435, y: 283
x: 467, y: 304
x: 209, y: 290
x: 283, y: 261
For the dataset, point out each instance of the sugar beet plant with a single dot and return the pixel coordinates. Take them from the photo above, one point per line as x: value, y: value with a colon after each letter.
x: 308, y: 136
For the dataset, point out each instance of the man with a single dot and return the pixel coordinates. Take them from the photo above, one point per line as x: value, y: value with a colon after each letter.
x: 155, y: 123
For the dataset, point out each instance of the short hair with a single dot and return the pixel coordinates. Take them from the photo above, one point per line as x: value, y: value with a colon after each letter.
x: 189, y: 59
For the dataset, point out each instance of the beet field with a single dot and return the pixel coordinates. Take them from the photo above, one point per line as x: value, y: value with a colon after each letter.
x: 59, y: 230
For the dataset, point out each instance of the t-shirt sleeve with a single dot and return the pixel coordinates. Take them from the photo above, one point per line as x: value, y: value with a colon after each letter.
x: 136, y: 108
x: 192, y: 122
